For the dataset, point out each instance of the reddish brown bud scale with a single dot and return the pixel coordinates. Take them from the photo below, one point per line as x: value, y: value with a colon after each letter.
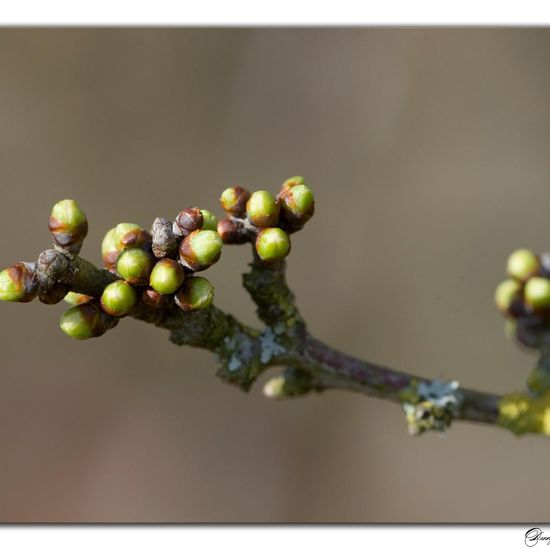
x: 152, y: 299
x: 234, y: 199
x: 110, y: 250
x: 136, y: 238
x: 231, y: 232
x: 187, y: 221
x: 123, y: 237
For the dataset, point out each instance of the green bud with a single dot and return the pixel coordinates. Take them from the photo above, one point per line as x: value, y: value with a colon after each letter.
x: 195, y: 293
x: 200, y: 249
x: 233, y: 200
x: 75, y: 298
x: 86, y: 321
x: 68, y: 225
x: 18, y: 283
x: 506, y: 294
x: 274, y: 388
x: 135, y: 265
x: 297, y: 206
x: 289, y: 384
x: 130, y: 235
x: 537, y: 293
x: 209, y: 221
x: 167, y: 276
x: 291, y: 182
x: 110, y: 250
x: 523, y: 264
x: 118, y: 298
x: 262, y: 209
x: 272, y: 244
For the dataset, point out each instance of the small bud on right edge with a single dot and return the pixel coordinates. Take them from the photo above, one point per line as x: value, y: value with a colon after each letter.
x: 522, y: 264
x: 537, y: 293
x: 507, y: 294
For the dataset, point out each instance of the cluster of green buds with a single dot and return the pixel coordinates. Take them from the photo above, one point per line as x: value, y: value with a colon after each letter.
x: 160, y: 267
x: 524, y: 298
x: 157, y: 269
x: 265, y: 219
x: 150, y: 270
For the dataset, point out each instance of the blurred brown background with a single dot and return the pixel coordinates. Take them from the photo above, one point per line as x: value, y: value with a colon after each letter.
x: 428, y: 153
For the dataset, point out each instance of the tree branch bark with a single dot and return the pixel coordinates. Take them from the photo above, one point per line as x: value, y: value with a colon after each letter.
x: 245, y: 352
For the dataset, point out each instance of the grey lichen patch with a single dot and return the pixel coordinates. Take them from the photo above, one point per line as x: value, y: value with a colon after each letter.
x: 270, y: 347
x: 279, y: 328
x: 233, y: 362
x: 240, y: 357
x: 431, y: 405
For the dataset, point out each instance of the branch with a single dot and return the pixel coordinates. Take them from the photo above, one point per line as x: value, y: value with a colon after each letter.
x: 245, y: 353
x: 327, y: 368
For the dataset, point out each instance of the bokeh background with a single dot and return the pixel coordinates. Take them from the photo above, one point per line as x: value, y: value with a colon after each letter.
x: 428, y: 153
